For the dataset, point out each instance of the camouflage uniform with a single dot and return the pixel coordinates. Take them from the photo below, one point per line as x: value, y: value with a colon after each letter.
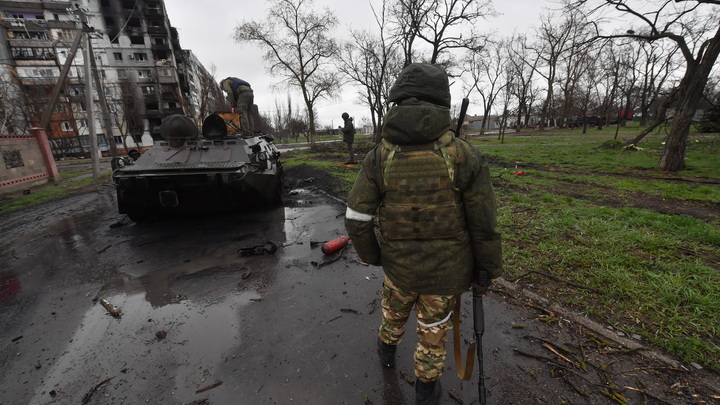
x: 433, y: 313
x: 432, y: 196
x: 348, y: 131
x: 240, y: 96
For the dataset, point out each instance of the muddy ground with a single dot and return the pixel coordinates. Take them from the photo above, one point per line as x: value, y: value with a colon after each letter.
x: 200, y: 323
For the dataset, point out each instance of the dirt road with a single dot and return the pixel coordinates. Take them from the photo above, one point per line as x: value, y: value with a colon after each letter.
x: 200, y: 321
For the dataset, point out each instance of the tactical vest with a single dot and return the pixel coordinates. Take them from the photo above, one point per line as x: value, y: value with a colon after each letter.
x: 420, y: 199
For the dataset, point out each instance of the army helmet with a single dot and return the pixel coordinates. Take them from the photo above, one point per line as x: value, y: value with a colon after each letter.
x: 345, y: 115
x: 424, y: 81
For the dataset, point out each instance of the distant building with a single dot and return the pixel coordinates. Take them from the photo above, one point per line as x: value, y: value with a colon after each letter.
x: 145, y: 74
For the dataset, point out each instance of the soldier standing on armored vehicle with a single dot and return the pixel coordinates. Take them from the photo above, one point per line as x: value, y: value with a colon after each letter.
x: 435, y: 205
x: 240, y: 96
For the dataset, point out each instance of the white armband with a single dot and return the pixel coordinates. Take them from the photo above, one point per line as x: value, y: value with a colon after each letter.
x: 357, y: 216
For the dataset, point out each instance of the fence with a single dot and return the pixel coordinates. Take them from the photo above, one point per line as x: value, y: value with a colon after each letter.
x: 26, y: 161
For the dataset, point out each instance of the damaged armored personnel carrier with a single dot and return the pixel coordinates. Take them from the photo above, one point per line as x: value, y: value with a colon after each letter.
x: 183, y: 173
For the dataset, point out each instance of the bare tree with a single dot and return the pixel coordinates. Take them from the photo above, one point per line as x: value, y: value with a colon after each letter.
x: 591, y: 57
x: 211, y: 98
x: 11, y: 108
x: 299, y: 47
x: 655, y: 70
x: 441, y: 26
x: 127, y: 110
x: 372, y: 62
x: 523, y: 66
x: 487, y: 70
x: 694, y: 25
x: 557, y: 38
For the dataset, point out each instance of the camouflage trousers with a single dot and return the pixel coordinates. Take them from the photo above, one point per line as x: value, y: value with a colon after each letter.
x: 434, y: 315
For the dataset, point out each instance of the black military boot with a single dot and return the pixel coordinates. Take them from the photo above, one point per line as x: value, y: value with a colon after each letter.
x: 427, y: 393
x: 387, y: 354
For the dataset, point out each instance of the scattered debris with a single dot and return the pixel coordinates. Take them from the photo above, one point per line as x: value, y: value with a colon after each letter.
x: 361, y: 262
x: 246, y: 275
x: 161, y: 334
x: 367, y: 400
x: 90, y: 393
x: 558, y: 279
x: 335, y: 258
x: 118, y: 224
x: 104, y: 249
x: 112, y: 310
x: 632, y: 147
x: 38, y: 366
x: 315, y: 243
x: 349, y: 310
x: 455, y: 397
x: 407, y: 378
x: 266, y: 248
x: 17, y: 338
x: 203, y: 401
x: 519, y: 173
x: 334, y: 319
x: 208, y: 387
x: 373, y: 306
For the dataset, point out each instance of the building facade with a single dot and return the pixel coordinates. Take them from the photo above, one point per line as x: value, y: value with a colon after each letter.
x: 144, y: 73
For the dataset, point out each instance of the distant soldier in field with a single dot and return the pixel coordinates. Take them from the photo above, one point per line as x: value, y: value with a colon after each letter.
x: 240, y: 96
x: 433, y: 199
x: 348, y: 131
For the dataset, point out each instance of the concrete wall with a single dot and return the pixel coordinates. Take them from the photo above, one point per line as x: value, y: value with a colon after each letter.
x: 25, y: 161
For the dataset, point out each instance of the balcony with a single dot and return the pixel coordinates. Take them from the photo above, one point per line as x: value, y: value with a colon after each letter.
x: 155, y: 12
x: 157, y: 31
x: 171, y: 111
x: 160, y: 47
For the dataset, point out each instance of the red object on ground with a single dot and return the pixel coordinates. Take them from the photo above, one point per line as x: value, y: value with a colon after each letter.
x: 335, y: 245
x: 519, y: 173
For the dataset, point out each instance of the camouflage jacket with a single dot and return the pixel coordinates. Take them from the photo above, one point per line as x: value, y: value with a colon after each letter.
x: 429, y: 266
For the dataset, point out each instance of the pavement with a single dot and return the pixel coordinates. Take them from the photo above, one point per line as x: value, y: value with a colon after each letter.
x: 200, y: 323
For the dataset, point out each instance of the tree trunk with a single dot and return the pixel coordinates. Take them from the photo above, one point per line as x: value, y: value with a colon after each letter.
x: 673, y: 156
x: 690, y: 92
x: 658, y: 120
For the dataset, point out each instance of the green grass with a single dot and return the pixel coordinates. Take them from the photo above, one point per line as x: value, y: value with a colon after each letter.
x: 578, y: 215
x: 48, y: 192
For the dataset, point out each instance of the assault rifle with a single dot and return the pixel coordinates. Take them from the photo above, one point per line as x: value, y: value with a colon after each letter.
x: 461, y: 118
x: 479, y: 327
x: 465, y: 372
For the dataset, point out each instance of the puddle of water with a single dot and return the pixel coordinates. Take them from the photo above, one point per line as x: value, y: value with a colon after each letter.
x: 198, y: 336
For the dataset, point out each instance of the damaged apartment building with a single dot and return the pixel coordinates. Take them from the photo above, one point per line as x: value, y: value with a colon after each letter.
x: 145, y: 74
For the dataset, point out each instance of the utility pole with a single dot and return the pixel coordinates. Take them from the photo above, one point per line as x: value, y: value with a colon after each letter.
x: 94, y: 153
x: 89, y: 76
x: 103, y: 105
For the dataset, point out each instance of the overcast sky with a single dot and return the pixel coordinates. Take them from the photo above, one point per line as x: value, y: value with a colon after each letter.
x: 206, y: 28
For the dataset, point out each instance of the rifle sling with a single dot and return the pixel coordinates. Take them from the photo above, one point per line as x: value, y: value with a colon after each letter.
x: 464, y: 373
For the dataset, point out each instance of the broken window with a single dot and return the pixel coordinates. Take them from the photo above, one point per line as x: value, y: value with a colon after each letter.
x: 117, y: 55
